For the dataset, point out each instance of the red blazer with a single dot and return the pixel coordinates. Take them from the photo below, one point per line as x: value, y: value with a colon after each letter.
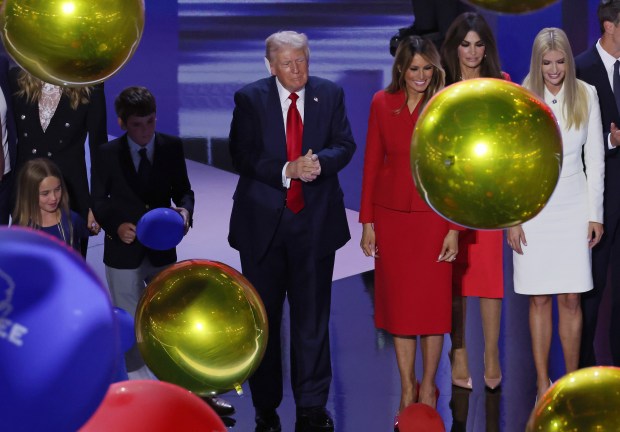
x: 387, y: 180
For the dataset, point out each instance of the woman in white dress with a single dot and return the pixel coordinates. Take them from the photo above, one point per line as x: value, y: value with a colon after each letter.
x: 551, y: 252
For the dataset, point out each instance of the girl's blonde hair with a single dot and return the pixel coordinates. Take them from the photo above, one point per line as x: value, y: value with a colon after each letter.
x: 27, y: 211
x: 30, y: 89
x: 575, y: 105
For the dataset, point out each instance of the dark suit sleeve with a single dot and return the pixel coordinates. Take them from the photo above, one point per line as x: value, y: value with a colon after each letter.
x: 246, y: 146
x: 96, y: 120
x: 181, y: 193
x: 339, y: 151
x: 589, y: 68
x: 109, y: 216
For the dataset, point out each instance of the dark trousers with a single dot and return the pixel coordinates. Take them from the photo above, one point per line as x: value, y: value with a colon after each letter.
x: 291, y: 269
x: 606, y: 252
x: 6, y: 198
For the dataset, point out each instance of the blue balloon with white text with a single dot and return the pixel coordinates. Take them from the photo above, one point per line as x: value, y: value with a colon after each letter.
x: 59, y: 337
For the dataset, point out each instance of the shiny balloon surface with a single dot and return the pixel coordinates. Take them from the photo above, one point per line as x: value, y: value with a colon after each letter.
x: 586, y: 401
x: 512, y: 6
x: 486, y: 153
x: 200, y: 324
x: 72, y: 42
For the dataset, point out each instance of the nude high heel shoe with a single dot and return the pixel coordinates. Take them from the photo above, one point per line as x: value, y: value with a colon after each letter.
x: 465, y: 383
x: 550, y: 384
x: 492, y: 383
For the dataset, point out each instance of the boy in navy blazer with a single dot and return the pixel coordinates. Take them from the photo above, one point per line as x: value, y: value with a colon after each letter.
x: 120, y: 198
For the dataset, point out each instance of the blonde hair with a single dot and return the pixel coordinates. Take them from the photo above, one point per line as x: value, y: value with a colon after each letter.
x: 27, y: 211
x: 406, y: 51
x: 575, y: 105
x: 30, y: 89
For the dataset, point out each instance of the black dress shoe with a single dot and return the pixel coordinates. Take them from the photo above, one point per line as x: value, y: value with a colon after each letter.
x: 315, y: 419
x: 219, y: 405
x: 267, y: 421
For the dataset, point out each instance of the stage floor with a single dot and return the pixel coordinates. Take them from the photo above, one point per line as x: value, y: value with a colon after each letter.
x: 365, y: 389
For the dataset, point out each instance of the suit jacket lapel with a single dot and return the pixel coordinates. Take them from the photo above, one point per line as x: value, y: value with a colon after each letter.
x: 274, y: 132
x: 158, y: 161
x: 601, y: 79
x: 601, y: 73
x: 311, y: 117
x: 128, y: 169
x: 58, y: 117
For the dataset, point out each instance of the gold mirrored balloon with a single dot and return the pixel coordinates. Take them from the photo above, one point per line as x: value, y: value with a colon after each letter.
x: 72, y: 42
x: 486, y: 153
x: 585, y: 400
x: 511, y: 6
x: 201, y: 325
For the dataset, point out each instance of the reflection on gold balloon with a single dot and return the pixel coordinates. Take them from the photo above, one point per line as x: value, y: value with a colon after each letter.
x: 72, y: 42
x: 512, y: 6
x: 486, y: 153
x: 585, y: 400
x: 201, y: 325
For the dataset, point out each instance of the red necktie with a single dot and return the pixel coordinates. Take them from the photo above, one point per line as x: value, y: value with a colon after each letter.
x: 294, y: 133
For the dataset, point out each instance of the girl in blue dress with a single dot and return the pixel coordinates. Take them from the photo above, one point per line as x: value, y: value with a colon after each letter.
x: 43, y: 204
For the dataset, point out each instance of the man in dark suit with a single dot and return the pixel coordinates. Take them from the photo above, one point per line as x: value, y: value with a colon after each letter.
x: 121, y: 196
x: 596, y: 66
x: 8, y: 143
x: 289, y: 138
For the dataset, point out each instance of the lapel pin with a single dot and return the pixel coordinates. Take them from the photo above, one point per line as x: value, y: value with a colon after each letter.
x: 316, y: 99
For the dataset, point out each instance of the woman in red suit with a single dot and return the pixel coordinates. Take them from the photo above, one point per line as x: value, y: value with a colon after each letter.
x: 469, y: 51
x: 412, y: 245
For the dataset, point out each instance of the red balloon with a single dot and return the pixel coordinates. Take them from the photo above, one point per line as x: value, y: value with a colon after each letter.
x: 154, y: 406
x: 419, y: 417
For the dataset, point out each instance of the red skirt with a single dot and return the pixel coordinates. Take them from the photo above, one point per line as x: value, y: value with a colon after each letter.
x: 412, y: 290
x: 478, y: 269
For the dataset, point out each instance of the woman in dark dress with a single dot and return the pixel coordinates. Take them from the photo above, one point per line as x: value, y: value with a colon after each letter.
x: 53, y: 122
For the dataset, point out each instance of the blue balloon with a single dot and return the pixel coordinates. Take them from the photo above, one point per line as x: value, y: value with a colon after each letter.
x: 160, y: 229
x: 126, y: 329
x: 59, y: 343
x: 127, y: 340
x: 121, y: 371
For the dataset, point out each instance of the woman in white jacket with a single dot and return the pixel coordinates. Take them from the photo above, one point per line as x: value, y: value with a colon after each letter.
x: 552, y: 251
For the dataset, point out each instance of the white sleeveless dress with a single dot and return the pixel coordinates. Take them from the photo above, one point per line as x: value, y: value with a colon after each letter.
x: 557, y: 259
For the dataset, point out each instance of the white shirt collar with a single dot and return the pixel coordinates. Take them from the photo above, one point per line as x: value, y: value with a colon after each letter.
x: 283, y: 94
x: 608, y: 59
